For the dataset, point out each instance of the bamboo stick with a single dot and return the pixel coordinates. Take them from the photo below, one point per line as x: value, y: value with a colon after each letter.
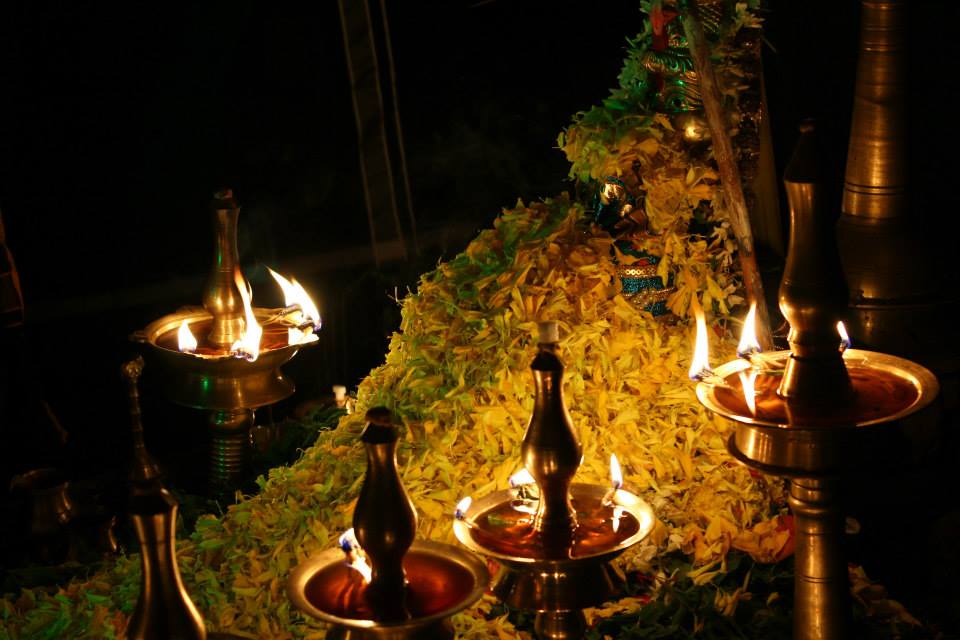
x: 727, y: 165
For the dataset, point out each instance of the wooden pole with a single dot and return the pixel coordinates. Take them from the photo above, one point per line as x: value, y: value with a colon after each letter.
x: 376, y: 167
x: 729, y: 173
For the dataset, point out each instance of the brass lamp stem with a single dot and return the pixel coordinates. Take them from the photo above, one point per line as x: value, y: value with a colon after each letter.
x: 221, y: 296
x: 551, y: 450
x: 813, y: 293
x: 384, y: 520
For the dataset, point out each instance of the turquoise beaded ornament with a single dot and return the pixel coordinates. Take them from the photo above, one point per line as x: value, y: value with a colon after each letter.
x: 639, y: 282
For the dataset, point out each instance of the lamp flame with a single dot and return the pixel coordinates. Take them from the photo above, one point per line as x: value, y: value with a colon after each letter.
x: 527, y: 490
x: 521, y: 478
x: 747, y: 381
x: 185, y: 340
x: 248, y: 346
x: 461, y: 511
x: 356, y: 558
x: 617, y: 514
x: 748, y: 337
x: 295, y: 295
x: 700, y: 367
x: 616, y: 482
x: 524, y: 505
x: 845, y: 342
x: 616, y: 475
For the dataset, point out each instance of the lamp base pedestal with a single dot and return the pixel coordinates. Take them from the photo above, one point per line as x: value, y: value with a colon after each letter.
x: 560, y: 625
x: 821, y: 601
x: 437, y: 630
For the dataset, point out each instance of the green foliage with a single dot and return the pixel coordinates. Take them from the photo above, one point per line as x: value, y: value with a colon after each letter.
x: 758, y: 594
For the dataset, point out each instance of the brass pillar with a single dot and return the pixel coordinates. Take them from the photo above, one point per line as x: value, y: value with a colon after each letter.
x: 896, y: 304
x: 876, y: 178
x: 812, y: 293
x: 440, y: 630
x: 164, y: 610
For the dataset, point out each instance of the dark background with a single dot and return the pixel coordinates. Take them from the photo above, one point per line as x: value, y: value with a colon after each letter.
x: 119, y: 121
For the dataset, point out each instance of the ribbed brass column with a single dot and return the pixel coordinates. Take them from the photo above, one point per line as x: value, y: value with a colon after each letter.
x: 229, y: 448
x: 876, y: 179
x: 895, y: 304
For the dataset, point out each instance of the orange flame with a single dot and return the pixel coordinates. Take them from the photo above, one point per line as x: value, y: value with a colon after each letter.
x: 701, y: 353
x: 616, y: 475
x: 748, y: 337
x: 356, y: 558
x: 844, y: 336
x: 461, y: 511
x: 617, y: 515
x: 247, y: 346
x: 521, y: 478
x: 185, y: 340
x: 295, y: 294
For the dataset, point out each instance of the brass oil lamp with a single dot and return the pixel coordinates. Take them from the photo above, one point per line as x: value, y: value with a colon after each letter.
x: 382, y: 584
x: 805, y: 414
x: 233, y: 367
x: 554, y: 539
